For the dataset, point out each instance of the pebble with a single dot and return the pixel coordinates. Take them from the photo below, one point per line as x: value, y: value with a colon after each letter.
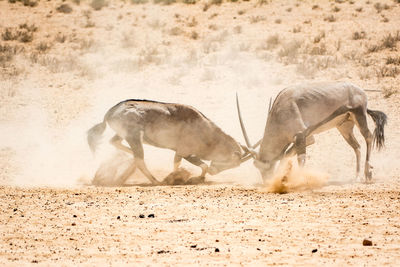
x: 367, y: 242
x: 151, y: 215
x: 216, y: 249
x: 118, y: 217
x: 141, y: 216
x: 314, y: 250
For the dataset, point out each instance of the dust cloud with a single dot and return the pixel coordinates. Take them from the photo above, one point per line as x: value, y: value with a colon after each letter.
x: 207, y: 77
x: 289, y: 177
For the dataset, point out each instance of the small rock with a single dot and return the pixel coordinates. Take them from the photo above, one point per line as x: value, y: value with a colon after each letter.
x: 151, y: 215
x: 118, y: 217
x: 193, y: 246
x: 216, y: 240
x: 15, y: 209
x: 314, y: 250
x: 367, y: 242
x: 74, y: 216
x: 216, y: 249
x: 141, y: 216
x: 73, y: 224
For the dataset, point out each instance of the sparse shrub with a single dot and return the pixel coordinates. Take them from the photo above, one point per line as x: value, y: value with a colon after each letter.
x: 390, y: 41
x: 315, y: 7
x: 29, y: 28
x: 136, y: 2
x: 26, y: 37
x: 272, y: 41
x: 237, y: 29
x: 164, y: 2
x: 61, y: 38
x: 387, y: 71
x: 213, y: 27
x: 393, y: 60
x: 374, y: 48
x: 216, y: 2
x: 98, y: 4
x: 308, y: 21
x: 7, y: 53
x: 379, y: 7
x: 318, y: 50
x: 175, y: 31
x: 385, y: 19
x: 330, y: 18
x: 359, y: 9
x: 255, y: 19
x: 8, y: 35
x: 388, y: 91
x: 320, y: 36
x: 296, y: 29
x: 64, y: 8
x: 189, y: 2
x: 241, y: 12
x: 42, y: 47
x: 335, y: 9
x: 192, y: 23
x: 194, y: 35
x: 338, y: 44
x: 340, y: 1
x: 359, y: 35
x: 206, y: 6
x: 278, y: 21
x: 290, y: 49
x: 289, y: 9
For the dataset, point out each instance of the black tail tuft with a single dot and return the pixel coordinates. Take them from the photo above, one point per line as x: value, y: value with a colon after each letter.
x: 380, y: 120
x: 94, y: 135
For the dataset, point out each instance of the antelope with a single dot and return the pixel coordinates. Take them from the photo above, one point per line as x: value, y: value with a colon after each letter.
x: 299, y: 112
x: 177, y: 127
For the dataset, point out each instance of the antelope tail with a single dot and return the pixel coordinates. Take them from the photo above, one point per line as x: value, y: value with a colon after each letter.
x: 380, y: 120
x: 94, y: 135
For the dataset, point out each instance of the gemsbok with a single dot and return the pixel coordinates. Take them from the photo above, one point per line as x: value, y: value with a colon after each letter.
x: 178, y: 127
x: 299, y: 112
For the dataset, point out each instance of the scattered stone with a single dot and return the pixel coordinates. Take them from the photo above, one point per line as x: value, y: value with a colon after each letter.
x: 73, y: 224
x: 74, y: 216
x: 314, y: 250
x: 118, y: 217
x: 15, y: 209
x: 193, y: 246
x: 141, y: 216
x: 367, y: 242
x: 216, y: 249
x: 258, y: 249
x: 163, y: 251
x: 151, y: 215
x: 216, y: 240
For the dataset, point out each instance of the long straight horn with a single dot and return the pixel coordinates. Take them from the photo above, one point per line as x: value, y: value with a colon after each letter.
x: 246, y: 138
x: 270, y: 104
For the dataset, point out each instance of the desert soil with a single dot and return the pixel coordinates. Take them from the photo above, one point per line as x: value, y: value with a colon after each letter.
x: 62, y: 69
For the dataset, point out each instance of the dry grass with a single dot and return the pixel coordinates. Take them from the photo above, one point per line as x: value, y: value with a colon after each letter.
x: 358, y: 35
x: 393, y: 60
x: 388, y: 42
x: 387, y: 71
x: 330, y: 18
x: 98, y: 4
x: 64, y: 8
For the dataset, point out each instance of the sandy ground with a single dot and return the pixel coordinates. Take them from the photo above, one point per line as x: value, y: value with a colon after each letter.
x: 78, y: 64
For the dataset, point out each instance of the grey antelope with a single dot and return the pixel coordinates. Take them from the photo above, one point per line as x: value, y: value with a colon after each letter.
x: 299, y: 112
x: 180, y: 128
